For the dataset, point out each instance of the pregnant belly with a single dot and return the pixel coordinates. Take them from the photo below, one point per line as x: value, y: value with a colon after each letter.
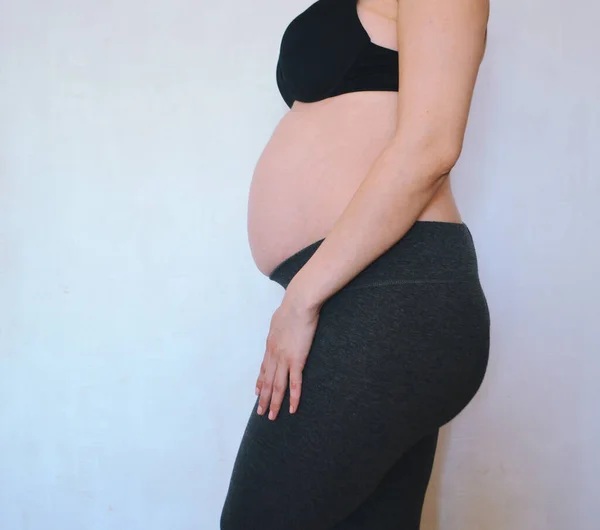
x: 316, y: 158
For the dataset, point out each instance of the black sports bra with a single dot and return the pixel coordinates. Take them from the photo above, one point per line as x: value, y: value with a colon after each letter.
x: 325, y: 51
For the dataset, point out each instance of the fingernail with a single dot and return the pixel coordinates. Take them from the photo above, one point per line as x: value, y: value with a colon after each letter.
x: 259, y: 410
x: 271, y: 415
x: 256, y: 391
x: 291, y: 409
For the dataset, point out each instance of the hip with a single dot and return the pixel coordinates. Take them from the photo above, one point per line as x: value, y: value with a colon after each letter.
x: 412, y: 326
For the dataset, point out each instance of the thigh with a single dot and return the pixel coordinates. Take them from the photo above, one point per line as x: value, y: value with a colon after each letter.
x: 397, y: 502
x: 309, y: 470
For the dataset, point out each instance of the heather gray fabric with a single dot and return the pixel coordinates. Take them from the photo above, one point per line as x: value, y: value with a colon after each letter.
x: 398, y: 352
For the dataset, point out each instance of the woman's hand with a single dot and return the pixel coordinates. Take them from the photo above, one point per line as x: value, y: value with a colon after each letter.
x: 290, y: 336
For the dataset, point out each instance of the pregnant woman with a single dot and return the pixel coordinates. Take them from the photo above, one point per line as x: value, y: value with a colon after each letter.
x: 382, y: 335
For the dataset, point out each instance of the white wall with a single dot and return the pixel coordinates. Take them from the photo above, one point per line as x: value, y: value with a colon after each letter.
x: 132, y: 319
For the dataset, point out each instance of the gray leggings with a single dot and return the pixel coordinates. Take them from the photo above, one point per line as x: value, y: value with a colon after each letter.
x: 398, y: 352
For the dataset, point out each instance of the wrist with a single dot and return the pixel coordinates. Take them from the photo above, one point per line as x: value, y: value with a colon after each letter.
x: 301, y: 299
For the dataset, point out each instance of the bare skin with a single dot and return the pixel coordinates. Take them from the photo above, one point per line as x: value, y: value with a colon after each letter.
x: 318, y: 155
x: 360, y: 169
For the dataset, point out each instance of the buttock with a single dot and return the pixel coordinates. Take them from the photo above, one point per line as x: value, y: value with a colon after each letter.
x: 419, y: 349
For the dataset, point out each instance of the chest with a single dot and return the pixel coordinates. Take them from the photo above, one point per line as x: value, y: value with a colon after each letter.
x: 326, y: 51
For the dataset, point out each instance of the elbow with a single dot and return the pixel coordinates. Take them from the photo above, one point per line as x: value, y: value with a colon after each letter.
x: 432, y: 154
x: 442, y: 154
x: 448, y: 154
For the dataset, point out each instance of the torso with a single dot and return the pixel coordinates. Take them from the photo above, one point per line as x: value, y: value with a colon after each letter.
x: 317, y: 157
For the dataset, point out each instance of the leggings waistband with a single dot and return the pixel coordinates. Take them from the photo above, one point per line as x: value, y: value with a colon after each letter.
x: 429, y: 252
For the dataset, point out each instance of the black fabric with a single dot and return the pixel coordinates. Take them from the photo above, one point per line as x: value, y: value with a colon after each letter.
x: 325, y: 51
x: 398, y: 352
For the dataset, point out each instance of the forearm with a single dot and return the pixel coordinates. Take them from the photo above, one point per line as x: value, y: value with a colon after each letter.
x: 400, y: 184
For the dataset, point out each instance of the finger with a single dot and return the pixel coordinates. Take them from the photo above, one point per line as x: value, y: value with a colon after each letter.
x: 260, y: 378
x: 267, y: 385
x: 263, y: 367
x: 295, y: 386
x: 279, y: 385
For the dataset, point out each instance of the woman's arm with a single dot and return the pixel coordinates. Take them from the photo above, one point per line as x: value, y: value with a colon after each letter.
x: 441, y: 45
